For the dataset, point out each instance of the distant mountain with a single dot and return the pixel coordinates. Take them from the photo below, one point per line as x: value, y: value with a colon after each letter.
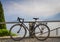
x: 54, y: 17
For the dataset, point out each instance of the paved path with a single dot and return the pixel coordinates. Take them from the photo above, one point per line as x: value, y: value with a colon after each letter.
x: 7, y: 39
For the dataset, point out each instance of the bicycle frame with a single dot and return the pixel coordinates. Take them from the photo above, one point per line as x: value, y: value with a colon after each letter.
x: 27, y: 27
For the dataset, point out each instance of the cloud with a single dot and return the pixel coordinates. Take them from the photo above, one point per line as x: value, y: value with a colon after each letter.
x: 34, y: 8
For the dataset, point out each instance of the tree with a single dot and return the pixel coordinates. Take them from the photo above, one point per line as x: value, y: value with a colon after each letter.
x: 2, y: 19
x: 3, y: 30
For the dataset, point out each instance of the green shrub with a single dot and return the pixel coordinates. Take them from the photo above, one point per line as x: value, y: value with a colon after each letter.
x: 5, y: 32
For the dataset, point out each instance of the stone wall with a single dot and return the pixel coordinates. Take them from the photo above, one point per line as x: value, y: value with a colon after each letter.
x: 50, y: 39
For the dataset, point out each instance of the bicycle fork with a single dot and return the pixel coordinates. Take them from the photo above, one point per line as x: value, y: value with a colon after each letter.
x: 18, y: 30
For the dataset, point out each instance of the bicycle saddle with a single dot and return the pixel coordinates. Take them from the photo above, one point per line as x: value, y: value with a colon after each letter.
x: 35, y: 18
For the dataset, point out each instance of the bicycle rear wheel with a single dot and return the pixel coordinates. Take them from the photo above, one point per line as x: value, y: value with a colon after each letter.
x: 42, y: 32
x: 17, y: 32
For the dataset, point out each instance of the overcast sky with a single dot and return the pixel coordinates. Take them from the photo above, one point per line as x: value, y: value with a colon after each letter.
x: 30, y: 8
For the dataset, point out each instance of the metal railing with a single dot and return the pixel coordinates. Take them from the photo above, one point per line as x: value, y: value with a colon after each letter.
x: 34, y: 21
x: 53, y: 30
x: 28, y: 22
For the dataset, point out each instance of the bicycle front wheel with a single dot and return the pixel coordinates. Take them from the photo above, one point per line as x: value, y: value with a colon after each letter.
x: 17, y: 32
x: 42, y: 32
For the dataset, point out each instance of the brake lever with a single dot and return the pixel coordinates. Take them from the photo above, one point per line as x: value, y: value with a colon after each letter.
x: 20, y: 20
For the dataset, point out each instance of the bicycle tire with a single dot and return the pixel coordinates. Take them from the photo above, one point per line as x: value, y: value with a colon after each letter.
x: 46, y: 36
x: 15, y: 39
